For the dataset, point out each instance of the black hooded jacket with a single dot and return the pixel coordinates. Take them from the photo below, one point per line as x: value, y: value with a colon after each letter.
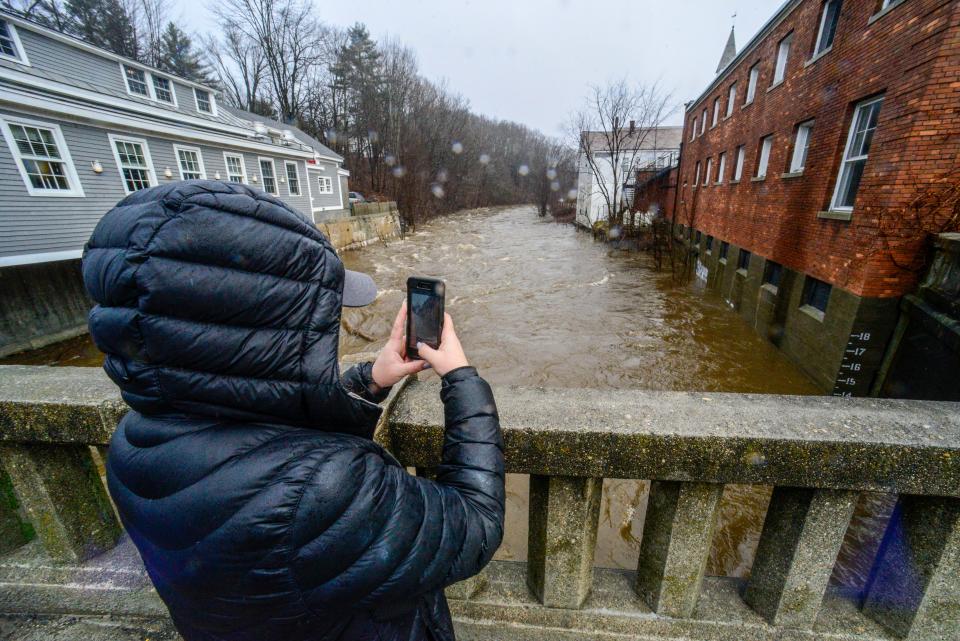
x: 245, y: 473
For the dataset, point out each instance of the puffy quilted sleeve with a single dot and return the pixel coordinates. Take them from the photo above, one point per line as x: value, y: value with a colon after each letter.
x: 368, y: 534
x: 359, y: 380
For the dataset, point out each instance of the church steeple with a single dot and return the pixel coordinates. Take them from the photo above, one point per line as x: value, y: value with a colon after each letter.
x: 729, y: 52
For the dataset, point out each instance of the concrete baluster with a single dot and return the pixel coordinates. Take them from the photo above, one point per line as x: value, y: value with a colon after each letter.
x: 564, y: 514
x: 801, y: 538
x: 914, y: 589
x: 677, y: 534
x: 14, y: 531
x: 63, y: 498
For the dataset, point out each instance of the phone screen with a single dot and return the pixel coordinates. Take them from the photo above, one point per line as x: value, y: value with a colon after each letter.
x: 424, y: 318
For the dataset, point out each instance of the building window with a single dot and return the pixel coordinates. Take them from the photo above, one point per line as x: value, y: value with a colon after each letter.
x: 706, y: 174
x: 783, y: 54
x: 738, y: 168
x: 716, y: 111
x: 752, y: 84
x: 801, y: 145
x: 724, y: 250
x: 766, y: 144
x: 163, y: 90
x: 204, y: 100
x: 191, y: 163
x: 862, y: 129
x: 696, y: 176
x: 693, y: 129
x: 772, y: 272
x: 136, y: 81
x: 731, y: 99
x: 743, y: 260
x: 42, y: 158
x: 293, y: 178
x: 703, y: 123
x: 236, y: 171
x: 816, y: 294
x: 828, y: 27
x: 709, y: 244
x: 133, y: 160
x: 698, y: 237
x: 269, y: 178
x: 721, y: 167
x: 325, y: 184
x: 10, y: 45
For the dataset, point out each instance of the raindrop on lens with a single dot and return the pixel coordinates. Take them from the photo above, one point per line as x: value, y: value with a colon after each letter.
x: 373, y: 136
x: 554, y: 186
x: 572, y: 194
x: 390, y: 160
x: 437, y: 190
x: 552, y: 174
x: 457, y: 148
x: 331, y: 135
x: 523, y: 170
x: 484, y: 159
x: 442, y: 176
x: 399, y: 171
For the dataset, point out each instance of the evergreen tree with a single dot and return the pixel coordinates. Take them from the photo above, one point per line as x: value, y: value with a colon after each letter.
x: 180, y: 57
x: 104, y: 23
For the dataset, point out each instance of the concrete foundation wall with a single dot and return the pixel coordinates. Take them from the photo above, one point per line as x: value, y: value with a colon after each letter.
x: 357, y: 231
x: 41, y: 304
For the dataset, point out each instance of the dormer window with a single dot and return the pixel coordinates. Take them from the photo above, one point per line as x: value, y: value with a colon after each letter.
x: 137, y: 81
x: 10, y: 46
x: 204, y: 100
x: 163, y: 90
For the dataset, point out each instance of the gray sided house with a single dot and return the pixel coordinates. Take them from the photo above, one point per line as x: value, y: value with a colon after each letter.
x: 80, y: 128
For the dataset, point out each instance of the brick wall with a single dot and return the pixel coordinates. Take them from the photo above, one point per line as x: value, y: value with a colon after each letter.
x: 910, y: 54
x: 656, y: 188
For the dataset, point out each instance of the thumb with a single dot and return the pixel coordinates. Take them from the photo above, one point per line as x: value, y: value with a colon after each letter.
x: 412, y: 367
x: 426, y: 352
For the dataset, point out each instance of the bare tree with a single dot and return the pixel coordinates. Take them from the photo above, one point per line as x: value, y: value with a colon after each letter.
x: 617, y: 122
x: 239, y: 66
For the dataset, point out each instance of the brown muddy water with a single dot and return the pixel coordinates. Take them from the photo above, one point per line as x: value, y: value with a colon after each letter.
x: 539, y: 304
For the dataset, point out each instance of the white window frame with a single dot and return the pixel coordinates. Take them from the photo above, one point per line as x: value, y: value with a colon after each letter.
x: 173, y: 91
x: 703, y: 125
x: 817, y: 51
x: 263, y: 179
x: 721, y: 167
x: 801, y: 146
x: 21, y: 57
x: 696, y: 176
x: 176, y: 156
x: 296, y: 169
x: 731, y: 99
x: 212, y: 98
x: 709, y: 170
x: 243, y: 165
x: 325, y: 189
x: 846, y: 159
x: 783, y: 58
x: 738, y: 168
x: 76, y: 189
x: 716, y: 111
x: 763, y: 159
x: 752, y: 82
x: 151, y: 174
x: 693, y: 133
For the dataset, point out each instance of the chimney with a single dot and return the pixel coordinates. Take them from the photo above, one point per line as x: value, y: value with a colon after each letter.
x: 633, y: 125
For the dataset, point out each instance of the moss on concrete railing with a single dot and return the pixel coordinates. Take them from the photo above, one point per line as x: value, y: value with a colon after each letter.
x: 819, y: 453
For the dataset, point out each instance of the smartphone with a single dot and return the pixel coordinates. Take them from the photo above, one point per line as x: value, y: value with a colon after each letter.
x: 425, y: 298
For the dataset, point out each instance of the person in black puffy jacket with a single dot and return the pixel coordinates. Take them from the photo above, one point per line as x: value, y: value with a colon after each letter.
x: 245, y: 472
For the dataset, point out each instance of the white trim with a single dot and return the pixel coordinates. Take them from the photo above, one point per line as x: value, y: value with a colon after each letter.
x: 151, y: 174
x: 146, y: 81
x: 823, y: 23
x: 18, y: 99
x: 329, y: 208
x: 263, y: 182
x: 80, y: 44
x: 173, y: 90
x: 176, y: 156
x: 296, y: 168
x: 846, y: 150
x: 22, y: 58
x: 44, y: 257
x: 782, y: 59
x: 210, y: 97
x: 326, y: 191
x: 805, y: 128
x: 343, y: 172
x: 76, y: 189
x: 243, y: 164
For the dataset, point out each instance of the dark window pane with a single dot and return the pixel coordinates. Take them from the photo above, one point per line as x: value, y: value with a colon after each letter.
x: 772, y: 273
x: 743, y: 259
x: 724, y: 248
x: 816, y: 294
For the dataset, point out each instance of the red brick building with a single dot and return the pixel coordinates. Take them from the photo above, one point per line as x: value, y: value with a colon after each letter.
x: 804, y: 162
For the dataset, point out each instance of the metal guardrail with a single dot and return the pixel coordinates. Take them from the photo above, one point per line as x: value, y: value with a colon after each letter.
x: 819, y: 454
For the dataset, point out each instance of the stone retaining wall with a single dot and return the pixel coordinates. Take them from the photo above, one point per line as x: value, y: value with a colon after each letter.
x: 358, y: 231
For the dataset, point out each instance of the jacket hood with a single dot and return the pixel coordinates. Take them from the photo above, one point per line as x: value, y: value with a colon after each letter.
x: 219, y: 300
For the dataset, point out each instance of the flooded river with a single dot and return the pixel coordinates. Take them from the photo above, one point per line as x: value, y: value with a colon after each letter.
x: 539, y: 304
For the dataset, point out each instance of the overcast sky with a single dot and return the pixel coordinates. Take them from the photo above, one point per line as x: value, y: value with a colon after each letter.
x: 532, y: 61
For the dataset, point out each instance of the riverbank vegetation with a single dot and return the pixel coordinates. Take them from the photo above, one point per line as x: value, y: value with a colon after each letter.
x: 404, y: 137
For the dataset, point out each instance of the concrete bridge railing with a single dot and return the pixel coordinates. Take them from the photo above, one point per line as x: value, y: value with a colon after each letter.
x: 818, y: 453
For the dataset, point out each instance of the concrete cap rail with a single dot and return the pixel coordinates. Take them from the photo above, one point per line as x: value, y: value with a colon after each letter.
x: 802, y: 441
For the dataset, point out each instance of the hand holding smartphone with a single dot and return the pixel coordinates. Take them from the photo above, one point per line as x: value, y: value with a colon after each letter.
x: 425, y: 312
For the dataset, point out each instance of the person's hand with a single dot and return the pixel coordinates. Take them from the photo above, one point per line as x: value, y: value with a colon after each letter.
x: 450, y: 356
x: 392, y: 363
